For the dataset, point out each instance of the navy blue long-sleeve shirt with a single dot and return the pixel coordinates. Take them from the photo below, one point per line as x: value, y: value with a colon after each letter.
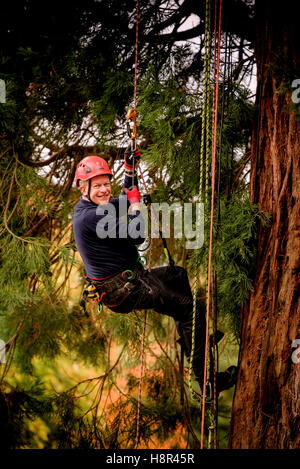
x: 107, y: 243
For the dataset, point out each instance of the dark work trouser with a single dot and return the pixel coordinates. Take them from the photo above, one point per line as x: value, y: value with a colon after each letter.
x: 167, y: 291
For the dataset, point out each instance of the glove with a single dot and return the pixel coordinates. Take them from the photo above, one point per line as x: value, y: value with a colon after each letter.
x: 133, y: 195
x: 130, y: 155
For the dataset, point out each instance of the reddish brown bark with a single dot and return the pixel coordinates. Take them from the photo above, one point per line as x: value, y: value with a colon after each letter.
x: 266, y: 408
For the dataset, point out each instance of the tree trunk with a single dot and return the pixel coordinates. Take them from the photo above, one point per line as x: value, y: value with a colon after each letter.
x: 266, y: 405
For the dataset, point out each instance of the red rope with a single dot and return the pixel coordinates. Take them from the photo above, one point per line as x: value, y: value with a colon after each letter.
x: 136, y: 51
x: 214, y: 366
x: 214, y: 66
x: 213, y: 166
x: 213, y: 125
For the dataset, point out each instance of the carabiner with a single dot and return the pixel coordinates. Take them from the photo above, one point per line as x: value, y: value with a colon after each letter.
x: 208, y: 393
x: 131, y: 115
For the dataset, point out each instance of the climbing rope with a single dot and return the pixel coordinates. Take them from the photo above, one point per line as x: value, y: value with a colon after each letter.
x: 203, y: 149
x: 205, y: 101
x: 210, y: 359
x: 215, y: 357
x: 213, y: 165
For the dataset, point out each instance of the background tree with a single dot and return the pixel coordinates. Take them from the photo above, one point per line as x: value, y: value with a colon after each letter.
x: 268, y: 378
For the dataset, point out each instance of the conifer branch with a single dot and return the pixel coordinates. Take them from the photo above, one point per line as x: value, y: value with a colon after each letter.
x: 9, y: 347
x: 5, y: 219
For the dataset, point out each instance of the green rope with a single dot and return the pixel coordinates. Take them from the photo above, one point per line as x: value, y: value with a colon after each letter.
x: 211, y: 428
x: 205, y: 125
x: 205, y: 131
x: 208, y: 149
x: 208, y: 138
x: 208, y: 98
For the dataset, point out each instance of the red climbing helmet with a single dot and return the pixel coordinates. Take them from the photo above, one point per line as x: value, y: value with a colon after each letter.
x: 90, y: 167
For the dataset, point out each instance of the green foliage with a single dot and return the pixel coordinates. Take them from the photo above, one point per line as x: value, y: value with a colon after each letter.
x: 234, y: 255
x: 109, y: 107
x: 20, y: 405
x: 169, y: 122
x: 239, y: 115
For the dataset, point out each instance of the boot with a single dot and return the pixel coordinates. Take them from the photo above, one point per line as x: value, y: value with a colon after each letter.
x: 185, y: 340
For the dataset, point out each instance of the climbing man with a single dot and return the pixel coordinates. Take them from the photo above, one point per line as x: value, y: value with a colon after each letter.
x: 108, y: 248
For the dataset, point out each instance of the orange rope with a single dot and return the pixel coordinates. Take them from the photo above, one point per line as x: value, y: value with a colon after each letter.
x: 214, y: 66
x: 213, y: 166
x: 213, y: 123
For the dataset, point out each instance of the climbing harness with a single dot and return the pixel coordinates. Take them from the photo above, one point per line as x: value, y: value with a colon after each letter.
x: 105, y: 289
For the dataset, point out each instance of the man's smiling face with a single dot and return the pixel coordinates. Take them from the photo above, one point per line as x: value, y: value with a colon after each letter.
x: 100, y: 191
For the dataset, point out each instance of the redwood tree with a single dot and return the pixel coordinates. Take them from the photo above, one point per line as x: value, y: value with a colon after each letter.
x: 266, y: 405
